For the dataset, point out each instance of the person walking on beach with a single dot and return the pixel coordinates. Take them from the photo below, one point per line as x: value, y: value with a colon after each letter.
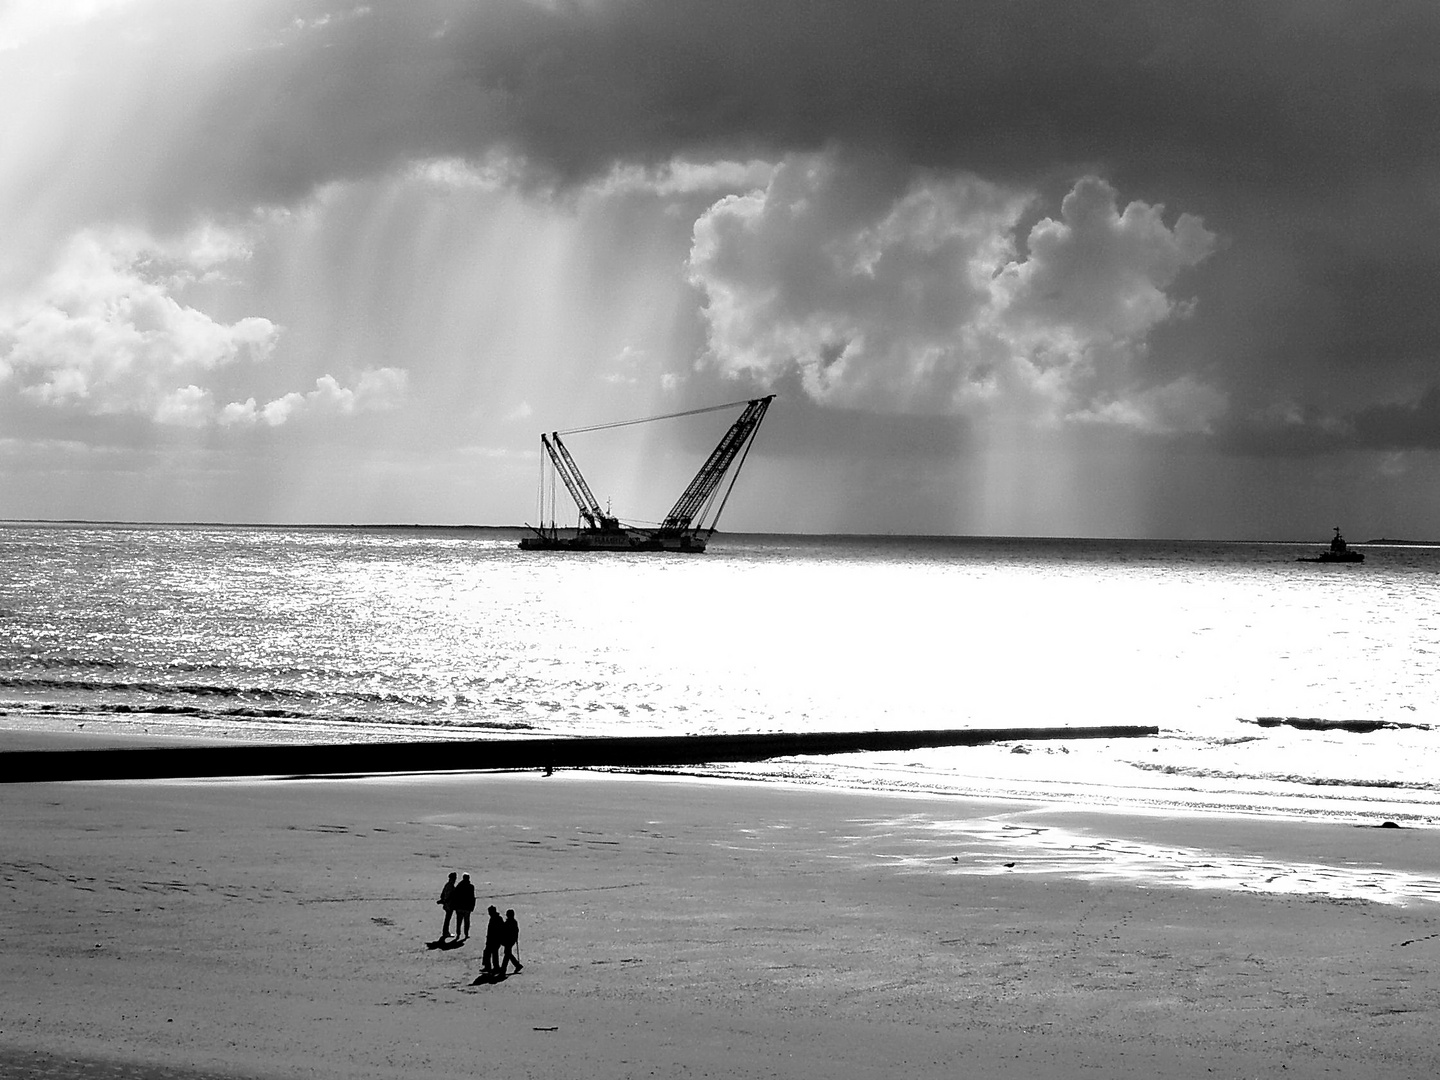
x: 494, y: 938
x: 464, y: 901
x: 511, y: 941
x: 447, y: 901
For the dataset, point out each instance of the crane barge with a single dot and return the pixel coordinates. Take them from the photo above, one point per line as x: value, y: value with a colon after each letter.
x: 684, y: 528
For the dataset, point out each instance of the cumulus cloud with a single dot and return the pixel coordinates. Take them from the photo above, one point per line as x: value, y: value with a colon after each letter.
x: 379, y: 390
x: 107, y: 333
x: 104, y: 332
x: 913, y: 295
x: 189, y: 406
x: 1097, y: 274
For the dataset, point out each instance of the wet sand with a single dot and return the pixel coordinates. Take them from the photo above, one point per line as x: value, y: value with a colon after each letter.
x: 278, y: 928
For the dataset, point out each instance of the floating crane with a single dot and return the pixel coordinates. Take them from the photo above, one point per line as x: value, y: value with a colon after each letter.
x: 684, y: 527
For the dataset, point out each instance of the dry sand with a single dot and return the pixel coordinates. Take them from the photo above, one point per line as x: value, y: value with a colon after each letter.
x: 681, y: 928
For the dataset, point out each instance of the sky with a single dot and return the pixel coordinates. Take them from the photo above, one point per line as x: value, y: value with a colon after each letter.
x: 1011, y: 268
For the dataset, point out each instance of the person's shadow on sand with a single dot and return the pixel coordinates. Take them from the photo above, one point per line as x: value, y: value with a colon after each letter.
x: 485, y: 978
x: 446, y: 943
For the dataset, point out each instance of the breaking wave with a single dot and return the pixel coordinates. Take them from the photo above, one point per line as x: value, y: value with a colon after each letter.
x: 1285, y: 778
x: 1317, y: 723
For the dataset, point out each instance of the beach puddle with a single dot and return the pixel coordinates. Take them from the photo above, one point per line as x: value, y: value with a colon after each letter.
x: 995, y: 846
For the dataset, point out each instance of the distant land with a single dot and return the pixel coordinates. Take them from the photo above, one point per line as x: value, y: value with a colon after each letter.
x: 1403, y: 543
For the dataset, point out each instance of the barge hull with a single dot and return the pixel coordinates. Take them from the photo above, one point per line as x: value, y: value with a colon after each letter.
x: 610, y: 541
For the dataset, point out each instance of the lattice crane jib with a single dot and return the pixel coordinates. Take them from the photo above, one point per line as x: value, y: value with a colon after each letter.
x: 574, y: 482
x: 689, y: 507
x: 682, y: 527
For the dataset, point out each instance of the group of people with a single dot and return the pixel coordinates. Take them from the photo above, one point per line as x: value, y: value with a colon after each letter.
x: 457, y: 898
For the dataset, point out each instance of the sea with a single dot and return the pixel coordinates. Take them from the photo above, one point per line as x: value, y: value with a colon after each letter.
x: 1278, y: 686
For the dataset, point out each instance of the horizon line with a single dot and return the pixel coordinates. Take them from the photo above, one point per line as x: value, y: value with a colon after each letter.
x: 114, y: 522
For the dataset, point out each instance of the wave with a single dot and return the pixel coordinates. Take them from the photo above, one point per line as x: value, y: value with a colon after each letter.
x: 1317, y: 723
x: 40, y: 662
x: 150, y: 687
x: 60, y: 663
x: 1283, y: 778
x: 122, y: 709
x: 258, y: 693
x: 241, y: 713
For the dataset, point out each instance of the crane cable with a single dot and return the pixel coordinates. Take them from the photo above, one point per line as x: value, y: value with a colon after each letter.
x: 648, y: 419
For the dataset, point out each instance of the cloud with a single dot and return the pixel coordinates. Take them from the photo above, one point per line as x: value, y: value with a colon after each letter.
x: 866, y: 287
x: 1287, y: 428
x: 24, y: 21
x: 379, y: 390
x: 104, y: 332
x: 1299, y: 130
x: 263, y: 102
x: 575, y: 88
x: 680, y: 176
x: 1400, y: 426
x: 493, y: 172
x: 1184, y: 406
x: 188, y: 406
x: 914, y: 296
x: 1097, y: 274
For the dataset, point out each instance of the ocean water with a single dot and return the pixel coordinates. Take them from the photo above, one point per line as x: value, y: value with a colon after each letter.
x: 337, y: 634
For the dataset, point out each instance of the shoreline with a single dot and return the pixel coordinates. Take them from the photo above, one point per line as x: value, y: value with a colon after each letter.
x: 273, y: 927
x: 1066, y: 775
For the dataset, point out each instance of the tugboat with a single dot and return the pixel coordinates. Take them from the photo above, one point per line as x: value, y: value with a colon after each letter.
x: 1339, y: 552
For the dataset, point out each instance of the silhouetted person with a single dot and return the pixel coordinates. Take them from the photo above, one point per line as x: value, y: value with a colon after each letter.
x: 464, y: 901
x: 494, y: 938
x: 447, y: 901
x: 511, y: 940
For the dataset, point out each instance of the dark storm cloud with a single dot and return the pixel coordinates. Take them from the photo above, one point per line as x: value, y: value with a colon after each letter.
x: 1400, y: 427
x: 1165, y: 97
x: 1299, y: 431
x: 1277, y: 94
x: 802, y: 429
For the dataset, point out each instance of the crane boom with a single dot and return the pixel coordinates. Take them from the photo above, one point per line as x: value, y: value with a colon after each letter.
x: 574, y: 482
x: 707, y: 481
x: 683, y: 528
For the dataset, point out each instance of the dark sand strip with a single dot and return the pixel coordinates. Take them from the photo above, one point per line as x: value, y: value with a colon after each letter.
x: 174, y: 762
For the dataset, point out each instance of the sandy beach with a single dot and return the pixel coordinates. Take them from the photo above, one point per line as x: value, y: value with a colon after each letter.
x: 677, y: 927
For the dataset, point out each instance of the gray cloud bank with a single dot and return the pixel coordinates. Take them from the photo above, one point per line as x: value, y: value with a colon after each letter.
x: 1298, y: 99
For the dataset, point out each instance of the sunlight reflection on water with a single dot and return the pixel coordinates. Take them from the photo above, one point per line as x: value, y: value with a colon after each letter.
x: 354, y: 633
